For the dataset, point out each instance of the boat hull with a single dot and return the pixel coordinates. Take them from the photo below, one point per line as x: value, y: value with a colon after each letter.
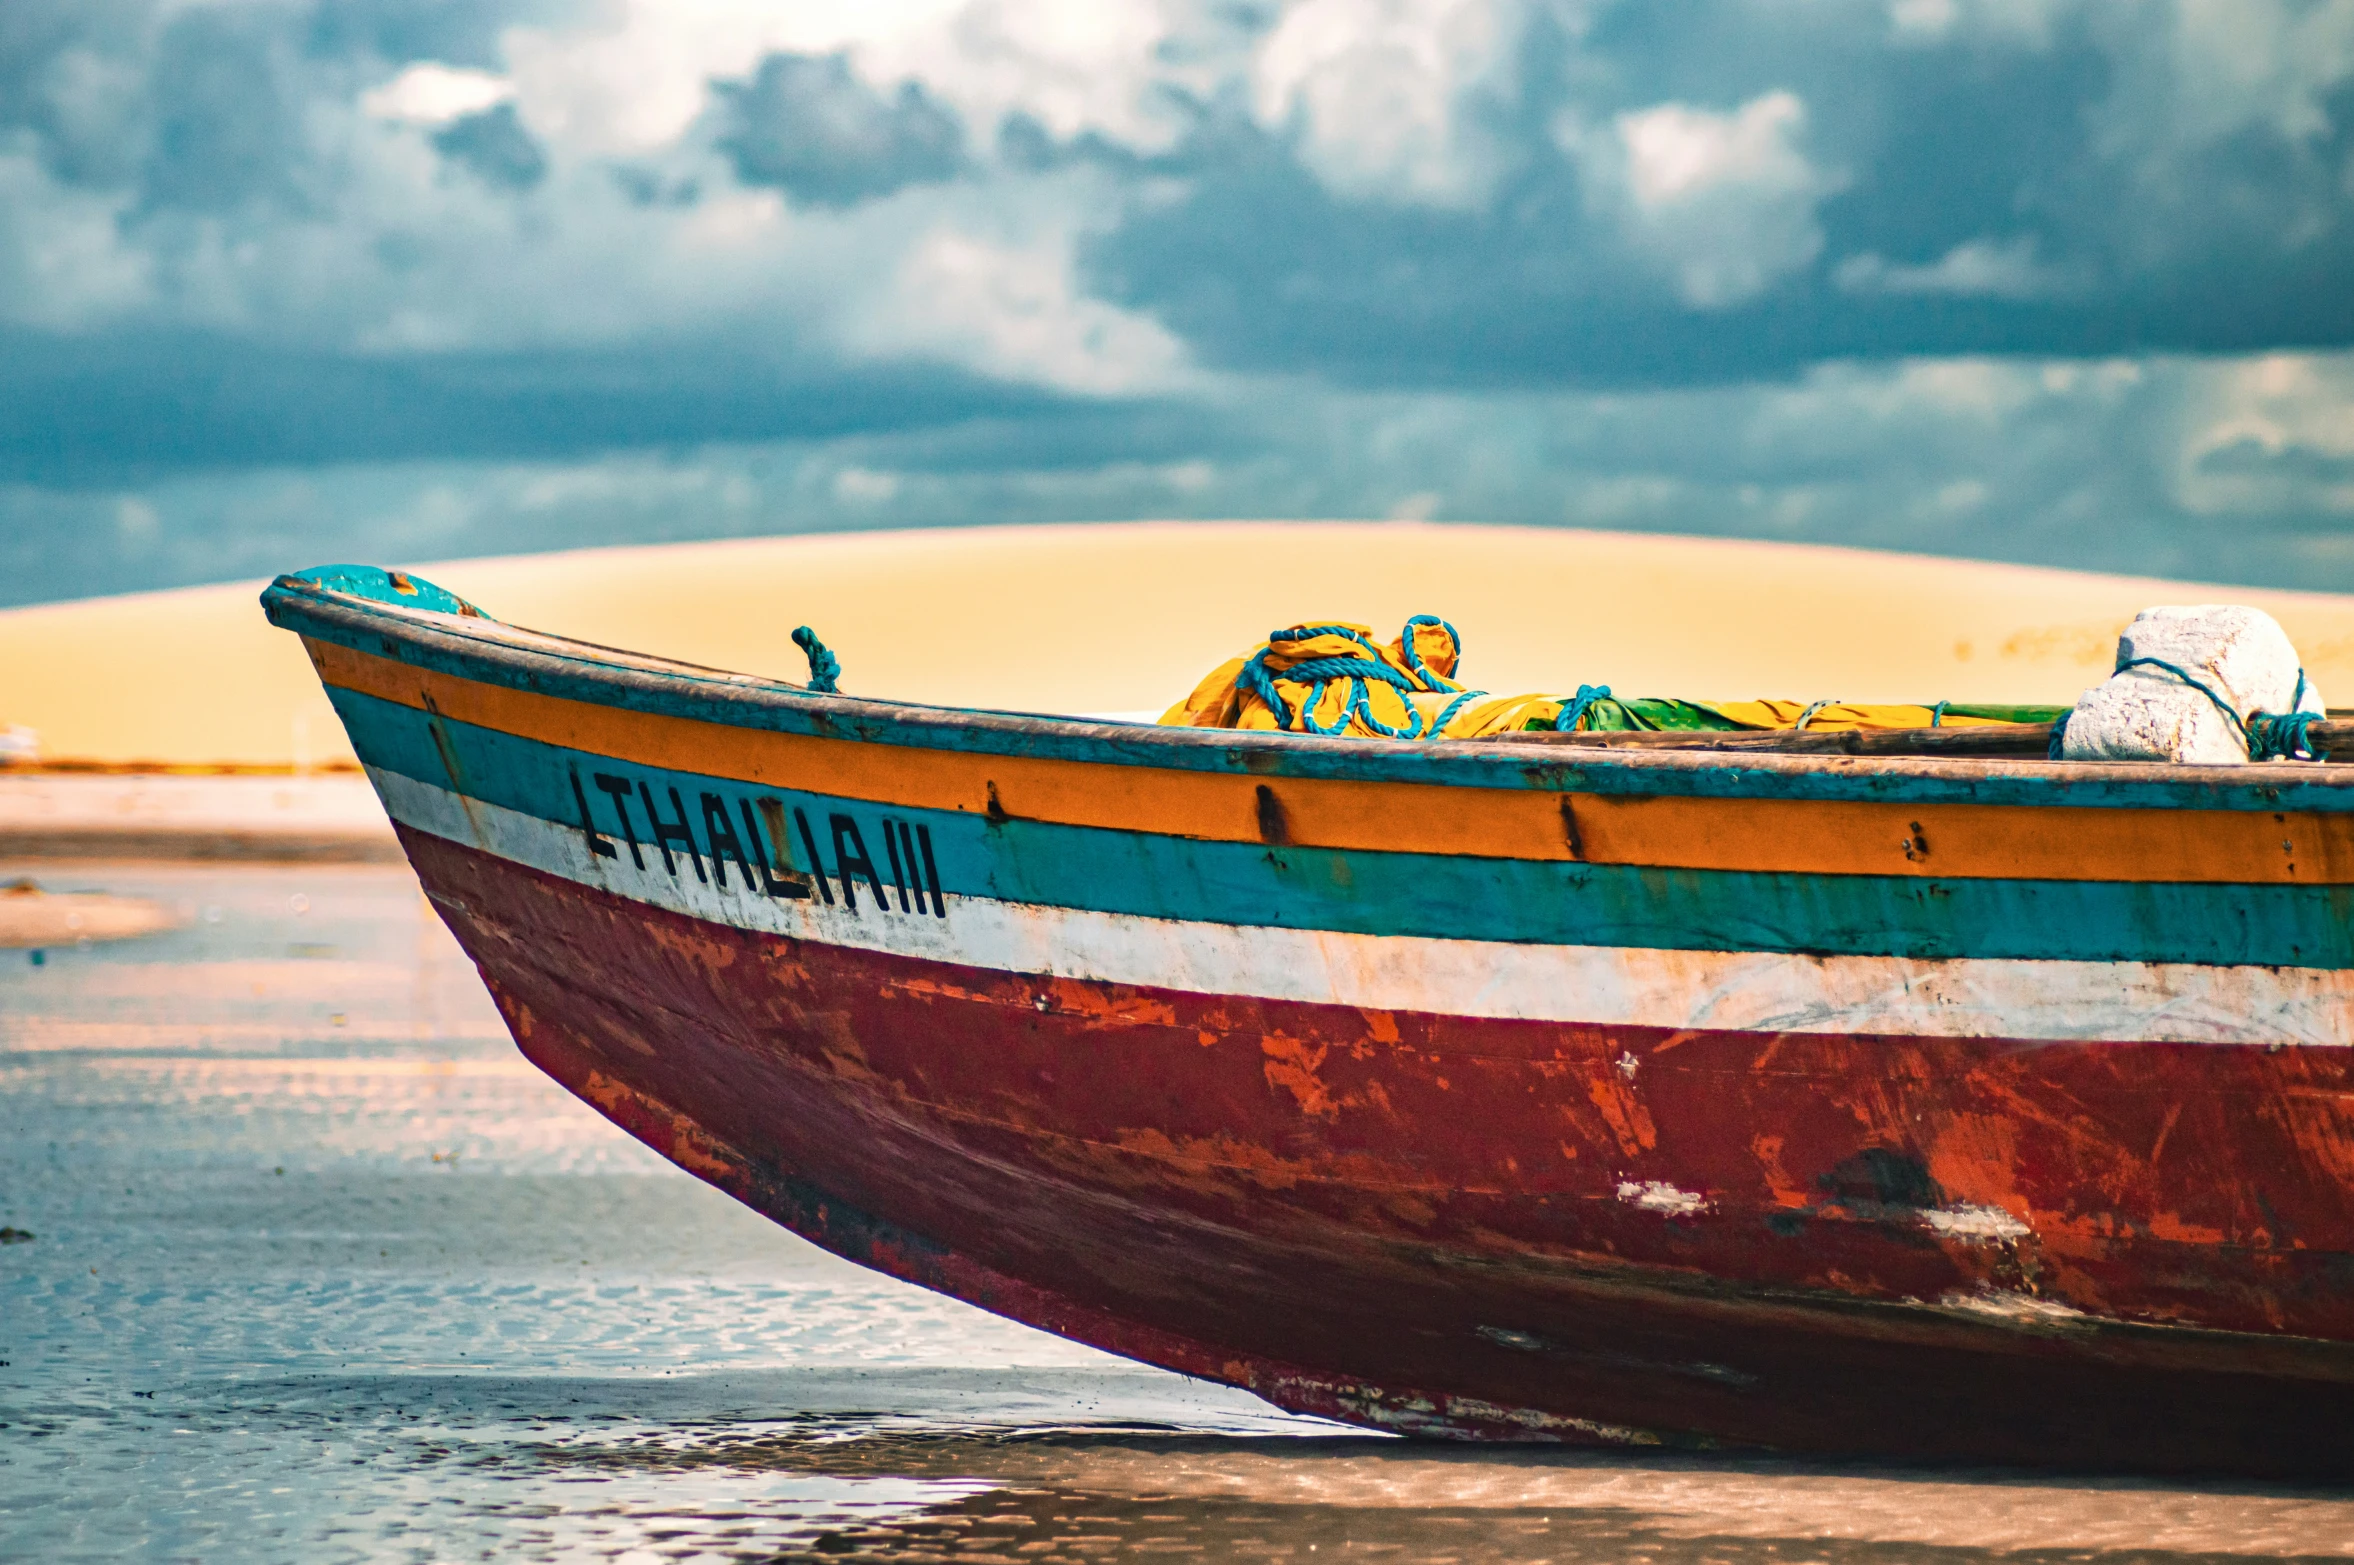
x: 824, y: 1087
x: 1651, y: 1100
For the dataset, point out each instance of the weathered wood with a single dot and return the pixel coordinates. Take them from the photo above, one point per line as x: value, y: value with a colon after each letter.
x: 1985, y: 740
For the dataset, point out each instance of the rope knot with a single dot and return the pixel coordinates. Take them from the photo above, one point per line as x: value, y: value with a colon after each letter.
x: 1574, y: 710
x: 825, y: 669
x: 2284, y: 734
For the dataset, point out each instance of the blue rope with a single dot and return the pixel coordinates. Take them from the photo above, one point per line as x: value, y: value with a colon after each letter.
x: 2057, y: 749
x: 1574, y: 710
x: 1438, y: 724
x: 2230, y: 713
x: 825, y: 669
x: 1361, y: 673
x: 2286, y: 734
x: 2267, y: 735
x: 1414, y: 658
x: 1937, y: 715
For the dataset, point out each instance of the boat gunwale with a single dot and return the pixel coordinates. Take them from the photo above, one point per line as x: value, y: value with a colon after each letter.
x: 566, y: 668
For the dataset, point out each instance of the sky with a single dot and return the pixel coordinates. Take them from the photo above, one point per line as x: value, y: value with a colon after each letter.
x: 291, y: 281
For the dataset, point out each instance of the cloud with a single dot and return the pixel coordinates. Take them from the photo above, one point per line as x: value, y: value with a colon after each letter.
x: 78, y: 412
x: 62, y: 263
x: 1975, y: 268
x: 459, y: 34
x: 1966, y: 273
x: 2149, y: 466
x: 2274, y: 433
x: 2288, y: 463
x: 1396, y: 192
x: 494, y: 145
x: 808, y: 126
x: 225, y: 128
x: 1379, y: 94
x: 1930, y: 22
x: 431, y: 93
x: 1015, y: 312
x: 1725, y: 201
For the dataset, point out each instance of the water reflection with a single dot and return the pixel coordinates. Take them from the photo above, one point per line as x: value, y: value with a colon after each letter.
x: 323, y: 1271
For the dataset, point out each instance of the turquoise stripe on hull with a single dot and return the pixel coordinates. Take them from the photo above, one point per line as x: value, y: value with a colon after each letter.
x: 1420, y: 894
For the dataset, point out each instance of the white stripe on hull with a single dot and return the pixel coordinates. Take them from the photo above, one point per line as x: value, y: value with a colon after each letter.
x: 1747, y: 991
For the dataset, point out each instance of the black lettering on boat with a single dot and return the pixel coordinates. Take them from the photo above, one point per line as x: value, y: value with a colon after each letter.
x: 898, y: 866
x: 915, y: 869
x: 817, y: 866
x: 668, y: 832
x: 777, y: 876
x: 588, y: 828
x: 849, y: 854
x: 618, y: 787
x: 721, y: 834
x: 923, y: 837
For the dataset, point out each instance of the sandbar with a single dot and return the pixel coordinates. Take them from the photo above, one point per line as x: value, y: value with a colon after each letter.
x: 1124, y: 618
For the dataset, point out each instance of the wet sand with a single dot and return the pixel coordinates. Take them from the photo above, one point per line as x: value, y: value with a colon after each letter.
x: 33, y: 918
x: 322, y: 1271
x: 330, y: 816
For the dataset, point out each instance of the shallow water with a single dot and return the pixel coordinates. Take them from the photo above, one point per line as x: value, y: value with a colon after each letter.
x: 323, y: 1271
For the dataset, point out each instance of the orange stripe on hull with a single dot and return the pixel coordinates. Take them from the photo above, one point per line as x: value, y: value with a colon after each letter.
x: 1790, y: 836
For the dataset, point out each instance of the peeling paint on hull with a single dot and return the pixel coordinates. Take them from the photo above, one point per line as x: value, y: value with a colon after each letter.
x: 2002, y: 1168
x: 1346, y: 1264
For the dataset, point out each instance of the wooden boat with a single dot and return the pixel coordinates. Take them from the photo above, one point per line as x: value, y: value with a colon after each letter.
x: 1987, y: 1109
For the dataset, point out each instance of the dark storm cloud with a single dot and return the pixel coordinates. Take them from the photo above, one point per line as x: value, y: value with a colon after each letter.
x: 2294, y: 462
x: 807, y: 125
x: 496, y: 147
x: 88, y: 131
x: 201, y: 107
x: 226, y: 129
x: 76, y: 412
x: 455, y: 32
x: 986, y: 459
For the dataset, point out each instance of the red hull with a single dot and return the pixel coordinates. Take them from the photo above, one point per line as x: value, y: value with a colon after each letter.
x: 1339, y: 1209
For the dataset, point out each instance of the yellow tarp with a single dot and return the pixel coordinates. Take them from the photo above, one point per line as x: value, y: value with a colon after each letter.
x: 1331, y: 677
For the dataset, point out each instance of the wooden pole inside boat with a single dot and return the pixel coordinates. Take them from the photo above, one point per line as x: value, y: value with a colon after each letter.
x: 1987, y: 739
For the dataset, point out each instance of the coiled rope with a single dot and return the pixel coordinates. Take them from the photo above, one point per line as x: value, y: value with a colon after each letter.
x: 1361, y: 673
x: 2287, y: 734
